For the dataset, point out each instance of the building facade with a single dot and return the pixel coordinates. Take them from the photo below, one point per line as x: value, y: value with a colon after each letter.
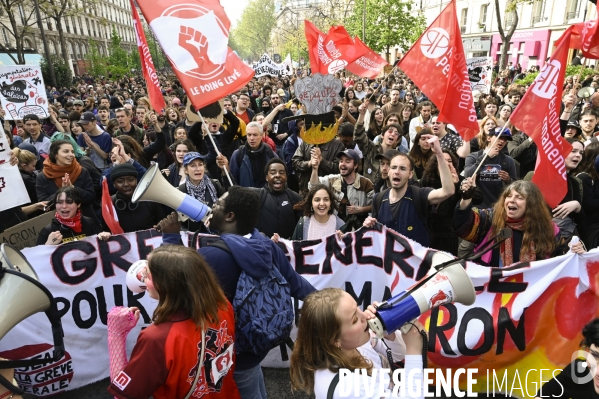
x: 539, y: 25
x: 79, y: 26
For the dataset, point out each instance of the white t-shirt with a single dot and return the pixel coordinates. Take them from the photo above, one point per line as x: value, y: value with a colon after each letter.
x: 371, y: 350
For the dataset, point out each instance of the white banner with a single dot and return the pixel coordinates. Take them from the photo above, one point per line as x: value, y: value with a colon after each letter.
x: 480, y: 72
x: 12, y: 188
x: 523, y: 315
x: 22, y: 91
x: 266, y: 66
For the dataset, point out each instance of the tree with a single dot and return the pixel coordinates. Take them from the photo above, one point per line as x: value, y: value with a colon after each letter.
x: 58, y: 10
x: 17, y: 10
x: 120, y: 62
x: 511, y: 22
x: 62, y: 72
x: 97, y: 64
x: 389, y: 23
x: 252, y: 34
x: 327, y: 13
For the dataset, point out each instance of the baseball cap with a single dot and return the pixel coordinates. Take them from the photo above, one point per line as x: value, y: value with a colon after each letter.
x: 87, y: 117
x: 176, y: 101
x: 281, y: 92
x: 191, y: 156
x: 504, y: 132
x: 67, y: 93
x: 29, y: 147
x: 388, y: 154
x: 78, y: 102
x: 574, y: 123
x: 31, y: 117
x: 349, y: 153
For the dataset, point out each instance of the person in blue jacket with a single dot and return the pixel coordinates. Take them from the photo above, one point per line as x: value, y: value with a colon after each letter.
x: 234, y: 217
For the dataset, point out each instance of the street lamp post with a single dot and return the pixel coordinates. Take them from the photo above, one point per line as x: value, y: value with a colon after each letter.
x: 46, y: 49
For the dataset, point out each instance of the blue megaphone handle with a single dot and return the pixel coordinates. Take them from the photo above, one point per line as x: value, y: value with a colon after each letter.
x: 193, y: 208
x: 397, y: 314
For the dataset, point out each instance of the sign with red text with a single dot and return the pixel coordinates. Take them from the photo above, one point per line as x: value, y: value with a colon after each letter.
x: 22, y: 91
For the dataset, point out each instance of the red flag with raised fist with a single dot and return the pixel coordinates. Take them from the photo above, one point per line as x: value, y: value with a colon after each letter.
x: 333, y: 52
x: 538, y: 115
x: 368, y: 65
x: 585, y: 37
x: 437, y: 65
x: 147, y: 65
x: 194, y: 35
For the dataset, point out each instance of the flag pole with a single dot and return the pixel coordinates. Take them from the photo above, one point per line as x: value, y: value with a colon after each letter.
x: 218, y: 153
x: 492, y: 145
x: 384, y: 80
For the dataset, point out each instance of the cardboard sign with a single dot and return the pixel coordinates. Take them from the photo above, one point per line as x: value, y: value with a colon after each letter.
x: 25, y: 234
x: 22, y: 91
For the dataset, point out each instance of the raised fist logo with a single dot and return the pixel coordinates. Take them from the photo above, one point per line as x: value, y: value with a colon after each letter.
x: 196, y: 44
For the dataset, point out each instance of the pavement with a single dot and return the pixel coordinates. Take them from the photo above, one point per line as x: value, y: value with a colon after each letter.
x: 276, y: 380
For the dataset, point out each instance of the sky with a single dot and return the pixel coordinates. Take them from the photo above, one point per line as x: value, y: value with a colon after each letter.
x: 234, y: 9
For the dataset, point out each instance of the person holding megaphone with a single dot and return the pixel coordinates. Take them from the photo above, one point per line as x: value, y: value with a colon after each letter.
x: 334, y: 334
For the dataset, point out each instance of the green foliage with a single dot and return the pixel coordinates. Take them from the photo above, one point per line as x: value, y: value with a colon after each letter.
x: 528, y: 79
x: 119, y: 59
x: 389, y: 23
x: 97, y: 64
x: 62, y: 72
x: 573, y: 70
x: 158, y: 57
x: 251, y: 37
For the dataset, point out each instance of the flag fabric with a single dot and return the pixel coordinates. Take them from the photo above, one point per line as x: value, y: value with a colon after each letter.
x: 194, y: 34
x: 147, y: 65
x: 585, y: 37
x: 108, y: 211
x: 332, y: 52
x: 538, y: 115
x: 369, y: 65
x: 437, y: 65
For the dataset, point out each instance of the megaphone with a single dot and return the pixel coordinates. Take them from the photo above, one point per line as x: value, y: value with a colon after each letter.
x: 21, y: 295
x: 585, y: 92
x: 154, y: 187
x: 136, y: 276
x: 451, y: 284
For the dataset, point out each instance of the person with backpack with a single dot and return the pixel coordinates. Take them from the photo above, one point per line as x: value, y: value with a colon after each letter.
x: 404, y: 208
x: 248, y: 162
x: 256, y: 277
x: 277, y: 216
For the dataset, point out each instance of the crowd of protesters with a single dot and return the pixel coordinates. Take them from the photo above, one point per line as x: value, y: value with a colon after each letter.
x: 393, y: 162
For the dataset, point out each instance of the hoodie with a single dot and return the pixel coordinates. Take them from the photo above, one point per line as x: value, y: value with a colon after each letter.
x: 256, y: 255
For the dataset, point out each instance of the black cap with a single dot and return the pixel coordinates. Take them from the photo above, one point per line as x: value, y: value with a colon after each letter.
x: 350, y: 154
x: 87, y: 117
x: 31, y: 117
x: 122, y: 169
x: 388, y: 154
x: 574, y: 123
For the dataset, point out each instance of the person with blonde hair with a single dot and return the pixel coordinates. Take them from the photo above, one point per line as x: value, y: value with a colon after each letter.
x: 333, y: 334
x: 189, y: 324
x: 482, y: 139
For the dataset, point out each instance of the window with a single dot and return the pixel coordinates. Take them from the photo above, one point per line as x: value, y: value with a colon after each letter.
x: 464, y: 18
x: 538, y: 11
x: 74, y: 26
x: 483, y: 13
x: 573, y: 9
x: 81, y: 25
x: 510, y: 19
x: 22, y: 13
x: 66, y: 24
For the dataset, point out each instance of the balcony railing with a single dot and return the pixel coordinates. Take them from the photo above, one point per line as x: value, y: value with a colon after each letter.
x: 571, y: 15
x: 537, y: 19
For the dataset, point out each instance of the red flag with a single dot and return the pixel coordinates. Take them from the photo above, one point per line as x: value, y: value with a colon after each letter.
x: 108, y: 212
x: 194, y: 34
x: 369, y: 65
x: 437, y: 65
x: 585, y: 37
x: 538, y: 114
x: 333, y: 52
x: 147, y: 66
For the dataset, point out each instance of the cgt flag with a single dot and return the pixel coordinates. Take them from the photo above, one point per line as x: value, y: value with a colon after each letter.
x: 538, y: 115
x: 333, y: 52
x: 147, y: 66
x: 437, y: 65
x: 194, y: 34
x: 368, y: 65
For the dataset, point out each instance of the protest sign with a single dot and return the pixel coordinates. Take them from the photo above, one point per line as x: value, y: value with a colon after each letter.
x: 25, y: 234
x: 22, y: 91
x: 525, y: 317
x: 12, y: 188
x: 266, y: 66
x: 480, y: 71
x: 318, y: 93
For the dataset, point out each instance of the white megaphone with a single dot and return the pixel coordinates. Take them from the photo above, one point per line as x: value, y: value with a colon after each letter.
x: 154, y: 187
x: 21, y: 295
x: 451, y: 284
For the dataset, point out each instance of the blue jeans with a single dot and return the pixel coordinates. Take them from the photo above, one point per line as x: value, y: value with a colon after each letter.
x: 250, y: 383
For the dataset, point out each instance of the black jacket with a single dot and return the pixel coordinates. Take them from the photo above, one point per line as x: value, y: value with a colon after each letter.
x: 276, y: 212
x: 89, y: 228
x: 143, y: 215
x: 29, y: 180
